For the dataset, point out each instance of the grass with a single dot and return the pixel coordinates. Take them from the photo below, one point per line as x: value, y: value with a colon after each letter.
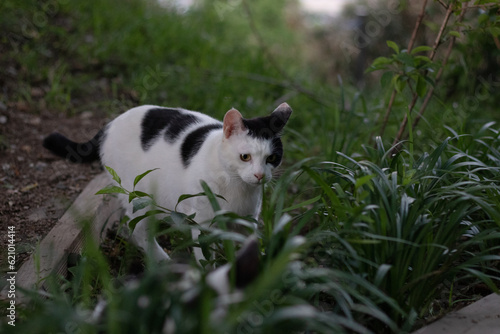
x: 353, y: 237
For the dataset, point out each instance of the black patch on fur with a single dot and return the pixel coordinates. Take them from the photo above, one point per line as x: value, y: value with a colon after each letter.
x: 72, y: 151
x: 193, y: 141
x: 247, y: 264
x: 174, y: 120
x: 278, y: 151
x: 266, y: 127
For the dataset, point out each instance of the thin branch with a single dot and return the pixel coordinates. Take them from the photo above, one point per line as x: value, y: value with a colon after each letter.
x: 441, y: 31
x: 388, y: 112
x: 418, y: 23
x: 437, y: 42
x: 402, y: 127
x: 443, y: 4
x: 497, y: 42
x: 420, y: 18
x: 440, y: 72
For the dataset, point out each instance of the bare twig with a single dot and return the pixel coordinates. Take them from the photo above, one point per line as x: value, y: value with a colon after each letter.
x: 449, y: 11
x: 417, y: 25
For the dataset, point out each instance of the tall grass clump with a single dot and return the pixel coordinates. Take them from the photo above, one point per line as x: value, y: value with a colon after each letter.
x: 413, y: 227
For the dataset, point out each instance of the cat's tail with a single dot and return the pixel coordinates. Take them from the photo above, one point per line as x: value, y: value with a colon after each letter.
x: 74, y: 152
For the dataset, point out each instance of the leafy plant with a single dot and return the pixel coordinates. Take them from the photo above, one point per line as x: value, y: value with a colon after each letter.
x: 409, y: 226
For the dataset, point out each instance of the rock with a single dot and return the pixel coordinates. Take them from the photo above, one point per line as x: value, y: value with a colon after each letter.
x: 37, y: 92
x: 40, y: 166
x: 86, y: 115
x: 38, y: 214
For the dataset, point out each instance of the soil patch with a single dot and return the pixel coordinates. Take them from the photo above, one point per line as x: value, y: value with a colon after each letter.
x: 36, y: 186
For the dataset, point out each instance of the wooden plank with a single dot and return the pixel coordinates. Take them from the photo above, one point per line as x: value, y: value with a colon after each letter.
x: 67, y: 236
x: 481, y: 317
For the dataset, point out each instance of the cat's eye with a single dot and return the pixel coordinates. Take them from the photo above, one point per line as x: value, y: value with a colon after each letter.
x: 245, y: 157
x: 272, y: 158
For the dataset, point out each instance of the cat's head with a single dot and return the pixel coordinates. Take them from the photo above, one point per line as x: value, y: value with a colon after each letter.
x: 252, y: 148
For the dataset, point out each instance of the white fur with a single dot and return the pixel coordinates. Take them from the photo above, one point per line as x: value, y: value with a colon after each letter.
x: 217, y: 162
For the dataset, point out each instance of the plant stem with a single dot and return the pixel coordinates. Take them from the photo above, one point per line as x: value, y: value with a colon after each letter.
x: 418, y: 23
x: 437, y: 42
x: 440, y: 72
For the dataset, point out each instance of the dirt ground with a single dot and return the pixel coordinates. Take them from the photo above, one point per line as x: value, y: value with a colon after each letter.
x: 36, y: 186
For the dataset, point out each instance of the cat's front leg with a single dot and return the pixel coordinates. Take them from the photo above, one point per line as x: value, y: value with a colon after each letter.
x: 198, y: 253
x: 143, y: 237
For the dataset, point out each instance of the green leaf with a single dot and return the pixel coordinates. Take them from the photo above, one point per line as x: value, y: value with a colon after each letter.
x: 363, y: 180
x: 379, y: 64
x: 178, y: 218
x: 211, y: 196
x: 399, y: 83
x: 303, y: 204
x: 406, y: 59
x: 454, y: 33
x: 495, y: 31
x: 132, y: 223
x: 422, y: 48
x: 187, y: 196
x: 386, y: 79
x: 393, y: 46
x: 423, y: 59
x: 140, y: 203
x: 136, y: 194
x: 114, y: 175
x: 421, y: 86
x: 111, y: 190
x: 382, y: 271
x: 139, y: 177
x: 483, y: 18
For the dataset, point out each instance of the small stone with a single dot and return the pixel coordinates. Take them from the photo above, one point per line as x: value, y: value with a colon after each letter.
x: 86, y: 115
x: 35, y: 121
x: 37, y: 92
x: 40, y: 166
x: 37, y: 214
x: 3, y: 119
x: 22, y: 106
x: 61, y: 185
x: 26, y: 148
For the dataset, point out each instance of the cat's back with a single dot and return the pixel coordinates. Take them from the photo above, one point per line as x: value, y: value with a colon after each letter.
x: 151, y: 136
x: 142, y: 127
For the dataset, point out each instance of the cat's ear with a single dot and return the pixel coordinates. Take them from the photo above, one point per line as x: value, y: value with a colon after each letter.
x: 279, y: 117
x: 233, y: 123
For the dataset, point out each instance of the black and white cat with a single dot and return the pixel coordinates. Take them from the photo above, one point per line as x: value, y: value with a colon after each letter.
x: 234, y: 157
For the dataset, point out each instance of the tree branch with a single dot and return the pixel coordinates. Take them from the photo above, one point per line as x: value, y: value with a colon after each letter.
x: 440, y: 72
x: 418, y: 23
x: 437, y: 42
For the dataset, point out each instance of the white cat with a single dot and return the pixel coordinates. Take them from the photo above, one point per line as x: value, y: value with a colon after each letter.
x: 234, y: 157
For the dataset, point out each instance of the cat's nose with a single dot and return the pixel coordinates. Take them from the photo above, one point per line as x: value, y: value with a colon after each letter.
x: 259, y: 176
